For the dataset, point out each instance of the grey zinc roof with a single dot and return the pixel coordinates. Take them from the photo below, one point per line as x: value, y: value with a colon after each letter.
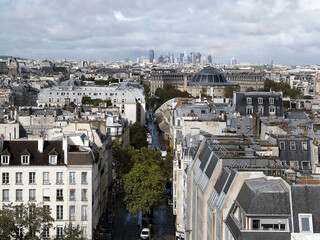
x: 305, y: 200
x: 264, y: 197
x: 221, y: 180
x: 209, y: 76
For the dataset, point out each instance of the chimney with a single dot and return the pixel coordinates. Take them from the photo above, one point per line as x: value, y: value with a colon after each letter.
x: 194, y: 131
x: 40, y: 143
x: 185, y: 82
x: 65, y: 148
x: 86, y: 142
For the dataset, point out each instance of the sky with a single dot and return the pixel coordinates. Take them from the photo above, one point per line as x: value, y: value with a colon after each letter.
x: 257, y: 31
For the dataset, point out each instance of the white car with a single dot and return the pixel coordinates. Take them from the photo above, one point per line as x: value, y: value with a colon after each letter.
x: 145, y: 233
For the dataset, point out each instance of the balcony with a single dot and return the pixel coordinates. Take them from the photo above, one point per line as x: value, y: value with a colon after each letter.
x: 46, y: 198
x: 59, y: 198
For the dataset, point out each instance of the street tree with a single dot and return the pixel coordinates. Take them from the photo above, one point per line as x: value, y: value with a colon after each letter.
x: 144, y: 184
x: 122, y: 158
x: 24, y: 221
x: 138, y: 136
x: 228, y: 91
x: 71, y: 232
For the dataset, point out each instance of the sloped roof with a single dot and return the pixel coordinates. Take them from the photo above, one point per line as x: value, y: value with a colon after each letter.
x: 264, y: 197
x: 18, y: 148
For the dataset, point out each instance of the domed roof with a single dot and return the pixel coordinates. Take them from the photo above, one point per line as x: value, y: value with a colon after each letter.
x: 209, y: 76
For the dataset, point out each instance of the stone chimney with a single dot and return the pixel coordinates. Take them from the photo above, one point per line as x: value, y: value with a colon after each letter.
x: 40, y: 143
x: 185, y: 81
x: 65, y: 148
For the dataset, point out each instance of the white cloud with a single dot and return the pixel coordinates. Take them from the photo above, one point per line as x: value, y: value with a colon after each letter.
x: 286, y: 31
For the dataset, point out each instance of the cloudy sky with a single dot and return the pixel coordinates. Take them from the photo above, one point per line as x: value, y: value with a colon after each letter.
x: 285, y: 31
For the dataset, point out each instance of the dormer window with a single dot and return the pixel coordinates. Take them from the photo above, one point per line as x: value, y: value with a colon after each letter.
x: 271, y: 101
x: 25, y: 159
x: 260, y: 100
x: 5, y: 159
x: 53, y: 159
x: 249, y: 100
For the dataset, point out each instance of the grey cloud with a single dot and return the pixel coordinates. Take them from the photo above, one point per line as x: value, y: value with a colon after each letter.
x: 98, y: 29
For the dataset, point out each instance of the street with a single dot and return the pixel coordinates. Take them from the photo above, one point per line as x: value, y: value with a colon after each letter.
x: 125, y: 225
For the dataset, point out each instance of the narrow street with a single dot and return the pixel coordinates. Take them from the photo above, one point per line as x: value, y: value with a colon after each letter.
x: 125, y: 225
x: 162, y: 220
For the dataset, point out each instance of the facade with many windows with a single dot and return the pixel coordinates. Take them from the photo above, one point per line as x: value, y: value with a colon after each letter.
x: 52, y: 174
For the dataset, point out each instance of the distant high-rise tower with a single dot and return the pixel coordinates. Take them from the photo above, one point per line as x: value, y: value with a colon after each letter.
x: 193, y: 58
x: 233, y: 61
x: 210, y: 59
x: 151, y: 55
x: 198, y: 57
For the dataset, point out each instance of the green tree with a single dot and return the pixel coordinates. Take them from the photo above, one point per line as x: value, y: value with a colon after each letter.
x: 138, y: 136
x: 228, y: 91
x: 31, y: 218
x: 71, y: 232
x: 144, y: 184
x: 122, y: 158
x: 250, y: 89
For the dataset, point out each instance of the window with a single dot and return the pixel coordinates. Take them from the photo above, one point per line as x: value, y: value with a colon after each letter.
x: 46, y: 232
x: 292, y: 146
x: 32, y: 177
x: 271, y: 100
x: 18, y: 177
x: 72, y: 213
x: 108, y: 131
x: 249, y: 100
x: 84, y: 194
x: 305, y: 223
x: 5, y: 159
x: 255, y: 224
x: 19, y: 195
x: 260, y: 110
x: 32, y: 194
x: 203, y: 111
x: 59, y: 178
x: 72, y: 178
x: 25, y: 159
x: 260, y: 100
x: 249, y: 110
x: 59, y: 212
x: 46, y: 194
x: 191, y: 111
x: 59, y: 231
x: 272, y: 110
x: 53, y: 159
x: 305, y: 165
x: 5, y: 195
x: 59, y: 194
x: 84, y: 179
x: 84, y: 231
x: 282, y: 146
x: 84, y: 211
x: 304, y: 146
x: 5, y: 178
x: 72, y: 194
x: 19, y: 231
x: 46, y: 178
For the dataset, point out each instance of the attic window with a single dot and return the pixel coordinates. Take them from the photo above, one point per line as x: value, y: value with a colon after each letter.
x: 5, y: 159
x: 53, y: 159
x: 260, y: 100
x: 271, y: 100
x: 25, y: 159
x: 249, y: 100
x: 305, y: 223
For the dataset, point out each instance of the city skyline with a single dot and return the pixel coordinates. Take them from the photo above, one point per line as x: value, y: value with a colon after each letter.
x: 251, y: 31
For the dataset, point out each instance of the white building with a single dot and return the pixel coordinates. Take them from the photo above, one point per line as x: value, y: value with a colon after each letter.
x: 54, y: 174
x: 128, y: 97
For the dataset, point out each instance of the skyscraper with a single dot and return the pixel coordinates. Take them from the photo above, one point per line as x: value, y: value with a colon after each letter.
x: 151, y: 55
x: 210, y: 59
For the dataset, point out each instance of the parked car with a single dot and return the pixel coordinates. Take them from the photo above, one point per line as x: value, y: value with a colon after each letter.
x: 145, y: 233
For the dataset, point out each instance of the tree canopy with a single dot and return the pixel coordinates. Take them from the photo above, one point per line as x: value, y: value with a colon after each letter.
x: 281, y: 87
x: 31, y: 218
x: 144, y: 184
x: 95, y: 102
x: 228, y: 91
x: 138, y: 136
